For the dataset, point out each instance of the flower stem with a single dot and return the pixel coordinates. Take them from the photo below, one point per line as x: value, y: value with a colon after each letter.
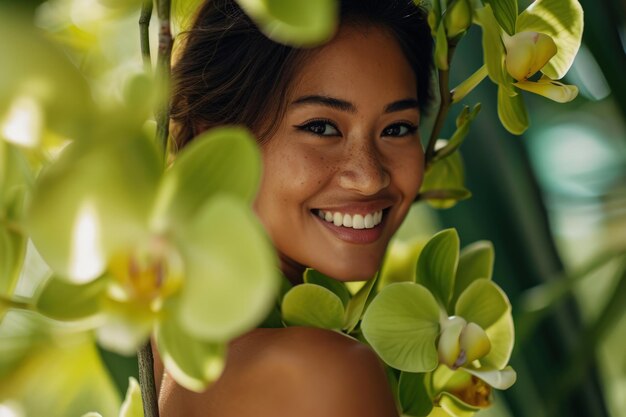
x: 444, y: 106
x: 164, y: 58
x: 144, y: 33
x: 146, y: 381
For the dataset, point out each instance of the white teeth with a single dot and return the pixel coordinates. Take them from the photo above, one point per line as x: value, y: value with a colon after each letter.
x: 354, y: 221
x: 357, y: 222
x: 368, y: 220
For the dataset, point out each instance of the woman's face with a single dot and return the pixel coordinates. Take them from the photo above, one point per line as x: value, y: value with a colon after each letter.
x: 346, y: 161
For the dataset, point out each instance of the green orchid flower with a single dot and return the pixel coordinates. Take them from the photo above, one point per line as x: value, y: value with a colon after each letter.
x: 135, y: 249
x: 450, y: 316
x: 300, y: 23
x: 545, y: 38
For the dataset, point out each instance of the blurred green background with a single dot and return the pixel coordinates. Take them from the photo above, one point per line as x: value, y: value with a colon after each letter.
x: 552, y: 201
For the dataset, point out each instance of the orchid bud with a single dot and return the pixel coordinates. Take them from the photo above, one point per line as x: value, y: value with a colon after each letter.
x: 527, y: 53
x: 458, y: 18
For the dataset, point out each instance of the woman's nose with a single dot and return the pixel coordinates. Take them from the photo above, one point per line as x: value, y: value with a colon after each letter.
x: 363, y: 171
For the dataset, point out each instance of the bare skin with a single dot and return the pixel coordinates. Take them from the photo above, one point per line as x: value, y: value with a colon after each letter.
x: 296, y: 371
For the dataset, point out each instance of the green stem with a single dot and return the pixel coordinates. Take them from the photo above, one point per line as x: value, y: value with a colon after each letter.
x: 144, y: 33
x: 164, y: 58
x: 146, y: 381
x: 444, y: 106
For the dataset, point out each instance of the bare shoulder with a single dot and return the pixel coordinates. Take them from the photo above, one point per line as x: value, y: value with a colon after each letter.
x: 295, y: 371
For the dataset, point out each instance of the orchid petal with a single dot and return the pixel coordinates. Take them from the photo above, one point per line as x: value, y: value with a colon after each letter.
x: 554, y: 90
x: 562, y: 20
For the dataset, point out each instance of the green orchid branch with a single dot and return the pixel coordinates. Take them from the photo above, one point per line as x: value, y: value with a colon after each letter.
x: 163, y: 71
x: 144, y: 33
x: 146, y: 381
x: 444, y: 105
x: 144, y: 355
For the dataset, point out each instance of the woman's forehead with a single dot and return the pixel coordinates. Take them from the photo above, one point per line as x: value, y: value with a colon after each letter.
x: 358, y: 64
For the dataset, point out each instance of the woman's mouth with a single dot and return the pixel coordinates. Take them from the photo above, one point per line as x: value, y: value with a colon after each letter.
x: 353, y: 227
x: 354, y: 221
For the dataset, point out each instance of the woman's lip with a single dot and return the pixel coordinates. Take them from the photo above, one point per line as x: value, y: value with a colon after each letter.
x: 350, y: 235
x: 352, y: 209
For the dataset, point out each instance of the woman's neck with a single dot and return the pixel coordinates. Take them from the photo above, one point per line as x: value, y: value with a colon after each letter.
x: 292, y: 270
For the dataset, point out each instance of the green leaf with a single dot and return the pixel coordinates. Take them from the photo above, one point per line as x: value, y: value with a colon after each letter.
x: 62, y: 300
x: 441, y: 48
x: 493, y: 48
x: 193, y: 363
x: 463, y: 123
x: 505, y: 12
x: 483, y: 303
x: 357, y: 304
x: 294, y: 22
x: 132, y: 405
x: 499, y: 379
x: 563, y: 21
x: 314, y: 306
x: 413, y: 394
x: 312, y: 276
x: 437, y: 265
x: 501, y: 334
x: 476, y: 261
x: 222, y: 160
x: 100, y: 195
x: 401, y: 324
x: 231, y: 270
x: 512, y: 112
x: 444, y: 182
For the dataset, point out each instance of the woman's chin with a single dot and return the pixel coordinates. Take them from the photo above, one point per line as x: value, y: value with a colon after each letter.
x: 350, y: 271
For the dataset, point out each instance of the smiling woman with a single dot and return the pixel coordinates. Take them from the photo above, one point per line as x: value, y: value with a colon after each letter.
x: 338, y: 133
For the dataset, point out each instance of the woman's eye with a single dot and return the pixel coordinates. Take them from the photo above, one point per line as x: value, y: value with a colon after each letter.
x: 399, y: 130
x: 320, y: 128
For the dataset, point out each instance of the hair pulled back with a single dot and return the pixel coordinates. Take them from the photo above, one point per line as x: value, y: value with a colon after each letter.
x: 228, y: 72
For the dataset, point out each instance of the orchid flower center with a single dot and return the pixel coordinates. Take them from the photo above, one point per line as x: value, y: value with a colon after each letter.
x: 149, y: 274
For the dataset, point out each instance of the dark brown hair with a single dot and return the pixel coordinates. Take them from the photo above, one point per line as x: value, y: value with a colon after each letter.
x: 228, y: 72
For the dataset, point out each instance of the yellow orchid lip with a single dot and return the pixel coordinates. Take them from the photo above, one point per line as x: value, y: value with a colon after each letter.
x: 476, y: 393
x: 552, y: 89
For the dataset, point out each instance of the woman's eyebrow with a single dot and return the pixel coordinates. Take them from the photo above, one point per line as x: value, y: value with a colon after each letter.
x: 331, y: 102
x: 343, y: 105
x: 406, y: 104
